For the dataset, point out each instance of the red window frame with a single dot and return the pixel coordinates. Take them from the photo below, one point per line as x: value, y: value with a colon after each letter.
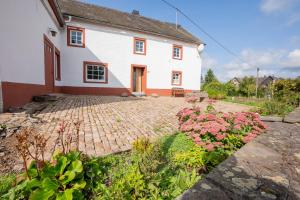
x: 134, y: 46
x: 180, y: 81
x: 57, y: 66
x: 181, y: 51
x: 73, y: 28
x: 85, y: 63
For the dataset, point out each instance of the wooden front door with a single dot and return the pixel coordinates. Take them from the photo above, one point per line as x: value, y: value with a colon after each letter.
x: 139, y: 78
x: 49, y: 65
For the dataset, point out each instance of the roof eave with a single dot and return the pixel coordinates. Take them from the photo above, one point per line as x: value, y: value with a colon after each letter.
x: 54, y: 6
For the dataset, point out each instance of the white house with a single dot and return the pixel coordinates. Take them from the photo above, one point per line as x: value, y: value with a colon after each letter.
x: 77, y: 48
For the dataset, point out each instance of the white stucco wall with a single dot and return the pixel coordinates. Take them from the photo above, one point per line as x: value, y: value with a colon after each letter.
x: 115, y: 47
x: 23, y: 24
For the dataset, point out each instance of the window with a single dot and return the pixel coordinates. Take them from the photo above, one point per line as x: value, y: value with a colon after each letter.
x: 76, y: 36
x: 139, y: 46
x: 176, y: 78
x: 57, y: 65
x: 177, y: 52
x: 95, y: 72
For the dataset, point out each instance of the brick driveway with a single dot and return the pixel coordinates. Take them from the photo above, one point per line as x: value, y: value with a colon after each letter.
x: 111, y: 124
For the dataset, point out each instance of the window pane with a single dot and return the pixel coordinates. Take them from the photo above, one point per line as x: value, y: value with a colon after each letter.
x: 89, y: 76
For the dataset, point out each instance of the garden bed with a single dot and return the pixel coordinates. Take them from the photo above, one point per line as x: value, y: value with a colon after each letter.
x: 160, y: 169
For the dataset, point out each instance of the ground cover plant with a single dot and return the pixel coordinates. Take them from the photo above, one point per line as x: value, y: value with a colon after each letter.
x: 156, y: 169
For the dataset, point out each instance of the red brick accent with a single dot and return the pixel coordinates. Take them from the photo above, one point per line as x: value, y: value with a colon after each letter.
x: 95, y: 63
x: 181, y: 51
x: 18, y: 94
x: 145, y: 45
x: 69, y: 28
x: 58, y: 67
x: 163, y: 92
x: 144, y: 78
x: 180, y: 82
x: 93, y: 90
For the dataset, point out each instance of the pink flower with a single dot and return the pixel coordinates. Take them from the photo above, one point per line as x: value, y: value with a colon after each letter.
x: 197, y: 139
x: 209, y: 147
x: 220, y: 137
x: 238, y: 127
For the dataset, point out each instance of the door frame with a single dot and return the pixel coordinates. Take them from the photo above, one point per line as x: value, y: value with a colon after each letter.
x: 50, y: 87
x: 144, y: 77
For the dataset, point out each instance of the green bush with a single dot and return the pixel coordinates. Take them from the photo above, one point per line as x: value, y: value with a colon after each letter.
x: 62, y: 180
x: 152, y: 170
x: 215, y: 90
x: 274, y: 108
x: 6, y: 182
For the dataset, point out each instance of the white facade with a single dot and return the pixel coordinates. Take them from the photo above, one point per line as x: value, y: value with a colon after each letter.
x: 115, y: 47
x: 25, y: 23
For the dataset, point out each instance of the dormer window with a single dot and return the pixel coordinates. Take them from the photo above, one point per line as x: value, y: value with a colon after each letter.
x: 177, y: 52
x: 139, y: 46
x: 76, y: 36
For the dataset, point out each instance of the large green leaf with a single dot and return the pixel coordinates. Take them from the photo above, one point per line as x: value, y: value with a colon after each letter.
x: 79, y: 184
x: 41, y: 194
x: 66, y: 195
x: 67, y: 177
x: 50, y: 184
x: 33, y: 183
x: 76, y: 166
x: 50, y: 171
x: 62, y: 162
x: 32, y: 172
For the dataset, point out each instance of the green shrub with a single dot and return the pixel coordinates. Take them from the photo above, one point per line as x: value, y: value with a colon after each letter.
x: 274, y: 108
x: 194, y: 158
x: 215, y: 90
x: 62, y: 180
x: 6, y: 182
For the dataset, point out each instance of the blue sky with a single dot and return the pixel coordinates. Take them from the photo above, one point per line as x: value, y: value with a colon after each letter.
x: 264, y: 33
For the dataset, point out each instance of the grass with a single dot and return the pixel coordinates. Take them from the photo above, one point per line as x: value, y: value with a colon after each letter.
x: 263, y: 106
x: 246, y: 101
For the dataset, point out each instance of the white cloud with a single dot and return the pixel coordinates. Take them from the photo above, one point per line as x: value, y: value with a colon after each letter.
x: 293, y: 59
x: 250, y: 59
x: 280, y: 63
x: 272, y: 6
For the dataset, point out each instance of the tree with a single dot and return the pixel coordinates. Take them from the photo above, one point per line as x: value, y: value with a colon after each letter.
x: 248, y: 86
x: 210, y: 77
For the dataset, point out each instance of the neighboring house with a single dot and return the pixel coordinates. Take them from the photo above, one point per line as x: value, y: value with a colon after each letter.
x: 235, y: 81
x: 77, y: 48
x: 263, y: 82
x: 266, y: 81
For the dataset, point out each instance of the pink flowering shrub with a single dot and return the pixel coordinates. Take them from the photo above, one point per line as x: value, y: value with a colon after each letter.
x: 212, y: 131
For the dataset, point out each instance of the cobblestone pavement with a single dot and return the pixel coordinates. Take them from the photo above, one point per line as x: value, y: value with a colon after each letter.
x: 266, y: 168
x: 111, y: 124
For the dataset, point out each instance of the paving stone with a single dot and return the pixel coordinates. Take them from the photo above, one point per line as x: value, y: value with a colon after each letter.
x: 293, y: 117
x: 109, y: 123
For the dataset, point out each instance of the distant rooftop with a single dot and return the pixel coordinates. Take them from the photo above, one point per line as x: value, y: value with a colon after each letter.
x: 134, y: 22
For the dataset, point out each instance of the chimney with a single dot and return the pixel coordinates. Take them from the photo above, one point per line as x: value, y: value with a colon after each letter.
x: 135, y: 12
